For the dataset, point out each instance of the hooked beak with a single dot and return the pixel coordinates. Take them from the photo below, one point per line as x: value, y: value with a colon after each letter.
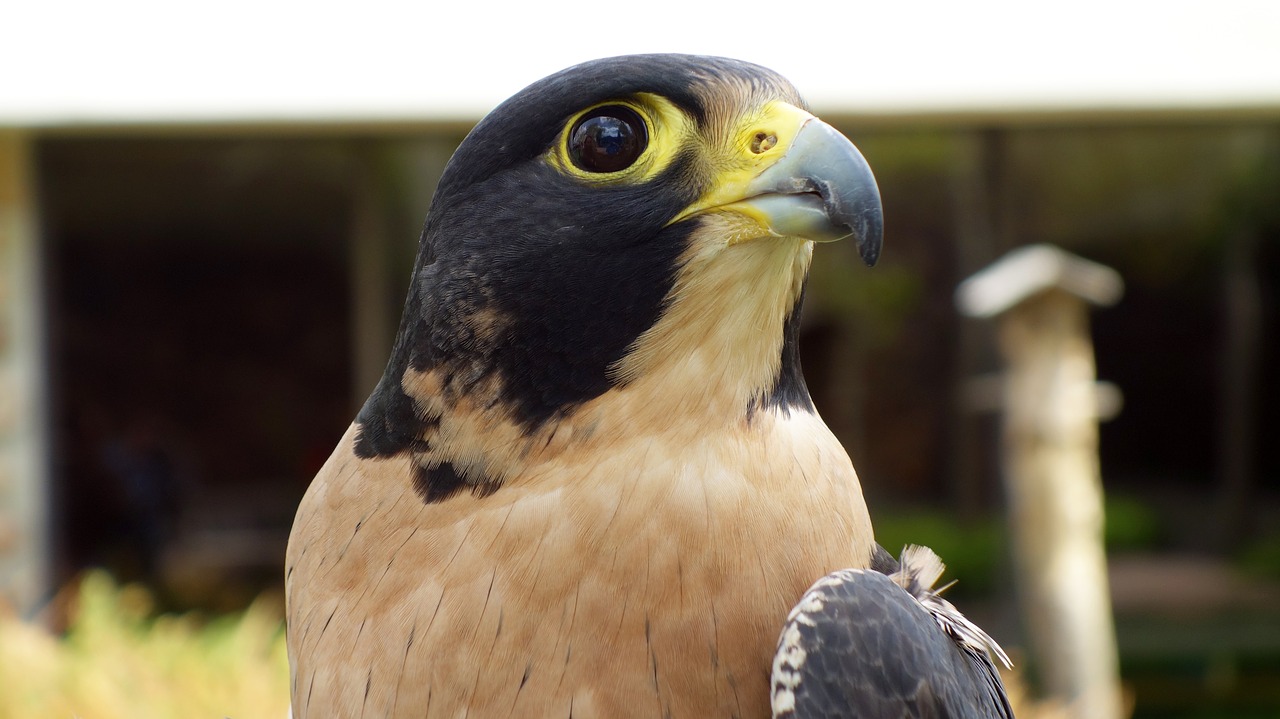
x: 822, y: 189
x: 799, y: 178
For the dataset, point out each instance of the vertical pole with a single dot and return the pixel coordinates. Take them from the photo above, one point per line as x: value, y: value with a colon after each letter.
x: 1241, y: 349
x: 1241, y: 358
x: 1054, y: 487
x: 372, y: 319
x: 25, y: 562
x: 978, y: 175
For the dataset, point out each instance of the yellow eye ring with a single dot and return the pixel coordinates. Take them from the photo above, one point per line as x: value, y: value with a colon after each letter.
x: 622, y: 140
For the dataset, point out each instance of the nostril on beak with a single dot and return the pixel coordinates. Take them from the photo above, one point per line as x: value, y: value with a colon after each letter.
x: 763, y: 141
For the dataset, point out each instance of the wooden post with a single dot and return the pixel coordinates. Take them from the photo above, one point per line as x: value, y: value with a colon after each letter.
x: 25, y: 563
x: 372, y: 315
x: 1041, y: 296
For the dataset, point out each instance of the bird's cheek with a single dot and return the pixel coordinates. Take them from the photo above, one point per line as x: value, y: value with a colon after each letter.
x: 730, y: 226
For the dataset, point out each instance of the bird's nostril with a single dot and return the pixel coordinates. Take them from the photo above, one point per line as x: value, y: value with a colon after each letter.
x: 763, y: 142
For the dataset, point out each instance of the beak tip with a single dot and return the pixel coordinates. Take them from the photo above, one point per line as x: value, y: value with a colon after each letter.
x: 860, y: 210
x: 871, y: 239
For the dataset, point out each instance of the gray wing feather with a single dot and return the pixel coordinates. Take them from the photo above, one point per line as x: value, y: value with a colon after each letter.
x: 861, y: 644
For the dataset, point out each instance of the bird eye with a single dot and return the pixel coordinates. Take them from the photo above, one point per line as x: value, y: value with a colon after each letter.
x: 608, y: 139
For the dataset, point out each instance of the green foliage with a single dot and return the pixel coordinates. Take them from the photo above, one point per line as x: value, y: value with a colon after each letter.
x: 116, y: 660
x: 973, y: 552
x: 1262, y: 557
x: 877, y: 303
x: 1131, y: 525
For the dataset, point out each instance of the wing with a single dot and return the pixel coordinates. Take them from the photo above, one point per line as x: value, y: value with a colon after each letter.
x: 859, y: 645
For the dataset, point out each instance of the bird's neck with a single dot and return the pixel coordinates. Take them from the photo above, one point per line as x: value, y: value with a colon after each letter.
x: 726, y: 344
x: 723, y: 350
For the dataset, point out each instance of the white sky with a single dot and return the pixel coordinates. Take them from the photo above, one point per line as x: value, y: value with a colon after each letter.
x: 168, y: 60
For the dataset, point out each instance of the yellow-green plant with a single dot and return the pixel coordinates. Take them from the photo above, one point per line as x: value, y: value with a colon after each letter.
x: 117, y: 661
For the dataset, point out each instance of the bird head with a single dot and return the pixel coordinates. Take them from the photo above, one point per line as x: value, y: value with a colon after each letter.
x: 625, y: 241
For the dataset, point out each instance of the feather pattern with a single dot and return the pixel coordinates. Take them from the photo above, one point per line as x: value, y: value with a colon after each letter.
x: 880, y: 642
x: 920, y: 570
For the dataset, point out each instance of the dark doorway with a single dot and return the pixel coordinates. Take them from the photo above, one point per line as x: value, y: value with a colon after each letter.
x: 200, y: 350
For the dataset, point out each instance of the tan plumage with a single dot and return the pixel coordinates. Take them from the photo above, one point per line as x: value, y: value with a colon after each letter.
x: 634, y: 555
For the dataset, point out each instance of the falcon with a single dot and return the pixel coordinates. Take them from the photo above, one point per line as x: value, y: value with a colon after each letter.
x: 592, y: 482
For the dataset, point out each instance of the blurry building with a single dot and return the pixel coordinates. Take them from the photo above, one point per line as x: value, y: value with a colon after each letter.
x: 193, y: 313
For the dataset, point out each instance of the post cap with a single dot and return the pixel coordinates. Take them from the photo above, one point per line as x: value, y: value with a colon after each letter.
x: 1028, y: 271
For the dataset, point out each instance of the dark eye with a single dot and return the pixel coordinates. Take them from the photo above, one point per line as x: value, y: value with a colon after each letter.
x: 607, y: 139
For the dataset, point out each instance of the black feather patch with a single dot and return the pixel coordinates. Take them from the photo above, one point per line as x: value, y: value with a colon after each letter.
x: 442, y: 481
x: 529, y: 279
x: 437, y: 483
x: 388, y: 422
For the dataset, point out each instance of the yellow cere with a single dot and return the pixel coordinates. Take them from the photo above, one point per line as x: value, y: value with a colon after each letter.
x: 669, y: 130
x: 758, y: 141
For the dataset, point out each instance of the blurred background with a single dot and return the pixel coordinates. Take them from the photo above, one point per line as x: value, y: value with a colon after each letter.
x: 207, y: 222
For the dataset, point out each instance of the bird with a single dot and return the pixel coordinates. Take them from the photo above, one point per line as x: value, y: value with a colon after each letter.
x: 591, y: 481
